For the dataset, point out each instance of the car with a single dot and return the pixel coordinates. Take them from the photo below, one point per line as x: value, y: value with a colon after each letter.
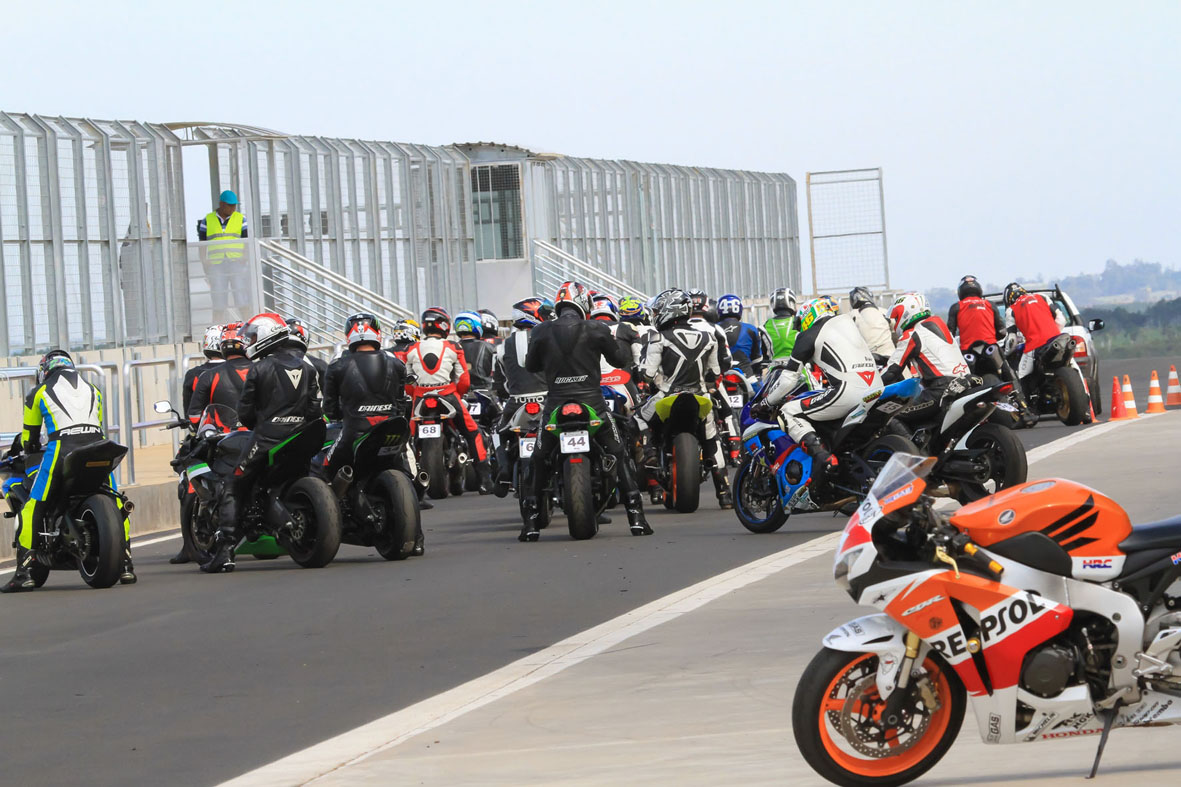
x: 1084, y: 348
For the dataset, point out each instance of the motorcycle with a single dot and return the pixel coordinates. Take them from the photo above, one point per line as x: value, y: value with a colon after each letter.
x: 775, y: 479
x: 440, y: 447
x: 737, y: 389
x: 485, y: 412
x: 378, y: 503
x: 584, y: 480
x: 976, y: 457
x: 525, y: 426
x: 1055, y: 387
x: 82, y: 521
x: 678, y: 433
x: 1042, y: 605
x: 987, y: 362
x: 289, y: 512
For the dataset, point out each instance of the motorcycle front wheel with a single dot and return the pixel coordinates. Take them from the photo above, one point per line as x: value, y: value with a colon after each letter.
x: 756, y: 498
x: 836, y: 718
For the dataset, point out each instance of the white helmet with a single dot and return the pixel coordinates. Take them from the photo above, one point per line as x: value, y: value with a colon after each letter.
x: 211, y: 342
x: 783, y: 300
x: 907, y: 310
x: 264, y: 333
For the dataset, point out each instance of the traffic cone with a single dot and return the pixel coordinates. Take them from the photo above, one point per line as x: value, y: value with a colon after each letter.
x: 1129, y: 398
x: 1156, y: 402
x: 1117, y: 411
x: 1173, y: 393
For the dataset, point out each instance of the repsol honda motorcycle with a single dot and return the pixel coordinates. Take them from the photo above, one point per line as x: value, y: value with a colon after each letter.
x: 976, y: 457
x: 1042, y: 605
x: 583, y: 475
x: 296, y: 510
x: 378, y: 503
x: 775, y: 479
x: 82, y: 521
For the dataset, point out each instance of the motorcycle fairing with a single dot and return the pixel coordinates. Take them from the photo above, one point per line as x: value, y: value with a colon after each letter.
x: 877, y: 634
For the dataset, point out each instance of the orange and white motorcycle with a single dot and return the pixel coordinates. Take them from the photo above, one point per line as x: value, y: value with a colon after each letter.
x: 1041, y: 603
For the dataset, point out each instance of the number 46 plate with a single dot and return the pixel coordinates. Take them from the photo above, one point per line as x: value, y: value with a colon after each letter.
x: 574, y: 442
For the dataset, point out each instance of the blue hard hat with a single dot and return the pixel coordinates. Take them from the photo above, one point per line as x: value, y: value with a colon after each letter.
x: 229, y: 197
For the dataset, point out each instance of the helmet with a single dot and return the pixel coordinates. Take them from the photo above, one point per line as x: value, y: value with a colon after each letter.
x: 231, y: 339
x: 299, y: 334
x: 860, y: 296
x: 574, y: 295
x: 672, y: 305
x: 969, y: 286
x: 362, y: 328
x: 547, y: 309
x: 211, y: 342
x: 263, y: 333
x: 630, y: 309
x: 528, y: 313
x: 1013, y: 291
x: 783, y: 302
x: 53, y: 361
x: 815, y: 309
x: 406, y: 332
x: 907, y: 310
x: 436, y: 322
x: 603, y: 308
x: 699, y: 300
x: 491, y: 324
x: 469, y: 322
x: 730, y: 306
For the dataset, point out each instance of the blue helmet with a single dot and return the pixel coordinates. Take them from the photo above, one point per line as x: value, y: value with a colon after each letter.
x: 469, y: 322
x: 730, y: 306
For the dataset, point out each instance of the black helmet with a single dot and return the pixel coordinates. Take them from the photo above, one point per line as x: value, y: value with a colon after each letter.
x: 436, y: 322
x: 969, y: 287
x: 699, y: 300
x: 53, y: 361
x: 860, y: 296
x: 783, y: 302
x: 1013, y: 291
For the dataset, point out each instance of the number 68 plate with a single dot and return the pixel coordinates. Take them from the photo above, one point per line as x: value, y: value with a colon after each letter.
x: 574, y: 442
x: 430, y: 430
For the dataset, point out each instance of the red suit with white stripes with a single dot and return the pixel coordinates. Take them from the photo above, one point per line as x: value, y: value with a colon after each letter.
x: 438, y: 367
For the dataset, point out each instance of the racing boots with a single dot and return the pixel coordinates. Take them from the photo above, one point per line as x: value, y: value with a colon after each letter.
x: 636, y: 521
x: 222, y: 561
x: 824, y: 464
x: 722, y: 488
x: 535, y: 521
x: 181, y: 557
x: 127, y: 575
x: 484, y: 472
x: 22, y: 580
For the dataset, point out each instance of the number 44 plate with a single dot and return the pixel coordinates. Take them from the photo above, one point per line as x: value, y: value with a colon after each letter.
x: 574, y: 442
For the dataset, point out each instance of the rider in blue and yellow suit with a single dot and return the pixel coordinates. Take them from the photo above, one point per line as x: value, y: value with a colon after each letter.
x: 71, y: 410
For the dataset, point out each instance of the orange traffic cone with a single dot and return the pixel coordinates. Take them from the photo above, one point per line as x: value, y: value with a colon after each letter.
x: 1156, y: 402
x: 1129, y: 398
x: 1118, y: 411
x: 1173, y: 393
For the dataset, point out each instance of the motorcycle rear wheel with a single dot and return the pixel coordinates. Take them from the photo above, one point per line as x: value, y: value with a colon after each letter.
x: 578, y: 500
x: 101, y: 518
x: 685, y: 467
x: 400, y: 511
x: 838, y: 687
x: 431, y: 451
x: 1073, y: 401
x: 1006, y: 456
x: 312, y: 500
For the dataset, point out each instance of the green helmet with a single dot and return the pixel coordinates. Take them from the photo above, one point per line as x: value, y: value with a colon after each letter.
x: 815, y: 309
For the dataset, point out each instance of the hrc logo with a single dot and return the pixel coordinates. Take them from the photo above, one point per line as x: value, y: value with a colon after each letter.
x: 1097, y: 562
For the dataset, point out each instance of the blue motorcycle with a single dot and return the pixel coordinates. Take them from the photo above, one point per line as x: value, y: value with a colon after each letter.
x: 775, y: 478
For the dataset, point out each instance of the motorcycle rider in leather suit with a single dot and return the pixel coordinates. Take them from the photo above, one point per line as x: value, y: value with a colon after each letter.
x: 568, y: 352
x: 872, y: 323
x: 925, y: 344
x: 515, y: 385
x: 682, y: 359
x: 299, y: 341
x: 211, y: 347
x: 744, y: 340
x: 780, y: 330
x: 280, y: 395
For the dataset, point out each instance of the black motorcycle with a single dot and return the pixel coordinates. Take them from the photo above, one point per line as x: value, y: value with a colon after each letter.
x: 299, y: 512
x: 83, y: 524
x: 440, y: 447
x: 678, y: 434
x: 378, y: 504
x: 524, y: 428
x: 485, y: 411
x: 1055, y: 387
x: 986, y: 361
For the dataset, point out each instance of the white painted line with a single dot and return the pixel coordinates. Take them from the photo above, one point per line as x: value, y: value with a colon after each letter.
x: 358, y: 744
x: 1071, y: 440
x: 4, y: 572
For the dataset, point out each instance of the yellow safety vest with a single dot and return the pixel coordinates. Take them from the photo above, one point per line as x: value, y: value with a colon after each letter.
x: 226, y: 240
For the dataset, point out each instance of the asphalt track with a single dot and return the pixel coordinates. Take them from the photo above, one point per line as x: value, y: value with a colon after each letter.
x: 193, y: 679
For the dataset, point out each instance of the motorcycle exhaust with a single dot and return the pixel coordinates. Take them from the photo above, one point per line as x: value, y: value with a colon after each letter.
x: 462, y: 459
x: 422, y: 479
x: 342, y: 481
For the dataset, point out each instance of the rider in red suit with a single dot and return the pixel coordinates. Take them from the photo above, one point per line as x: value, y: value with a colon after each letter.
x: 974, y: 318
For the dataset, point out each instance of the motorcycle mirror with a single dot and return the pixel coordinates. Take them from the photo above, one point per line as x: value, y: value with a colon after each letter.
x: 162, y: 406
x: 1096, y: 324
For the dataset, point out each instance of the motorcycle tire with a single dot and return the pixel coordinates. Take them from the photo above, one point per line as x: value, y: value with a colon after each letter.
x: 879, y: 450
x: 1006, y: 457
x: 435, y: 467
x: 578, y: 500
x: 685, y: 482
x: 749, y: 473
x: 39, y: 574
x: 198, y: 544
x: 101, y: 518
x: 403, y: 520
x: 825, y: 690
x: 312, y: 499
x: 1073, y: 402
x: 471, y: 479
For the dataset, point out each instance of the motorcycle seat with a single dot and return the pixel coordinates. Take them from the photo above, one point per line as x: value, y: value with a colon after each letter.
x: 1165, y: 534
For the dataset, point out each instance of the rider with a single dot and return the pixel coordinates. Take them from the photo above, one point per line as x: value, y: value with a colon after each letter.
x: 780, y: 330
x: 926, y: 344
x: 514, y: 383
x: 438, y: 367
x: 1034, y: 319
x: 71, y: 410
x: 568, y: 353
x: 363, y: 388
x: 469, y: 327
x: 828, y: 340
x: 633, y: 312
x: 223, y: 383
x: 678, y: 361
x: 700, y: 306
x: 872, y: 323
x: 491, y: 333
x: 280, y: 395
x: 746, y: 345
x: 973, y: 318
x: 404, y: 335
x: 211, y: 347
x: 299, y: 341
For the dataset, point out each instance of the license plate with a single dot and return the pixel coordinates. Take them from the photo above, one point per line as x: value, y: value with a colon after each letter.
x: 1006, y: 407
x: 735, y: 400
x: 387, y: 450
x: 475, y: 408
x: 527, y: 446
x: 574, y: 442
x: 430, y: 430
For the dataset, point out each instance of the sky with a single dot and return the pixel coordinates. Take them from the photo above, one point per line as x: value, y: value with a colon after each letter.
x: 1015, y: 137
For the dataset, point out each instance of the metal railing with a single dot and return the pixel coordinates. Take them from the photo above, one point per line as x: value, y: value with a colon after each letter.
x: 553, y: 266
x: 130, y: 426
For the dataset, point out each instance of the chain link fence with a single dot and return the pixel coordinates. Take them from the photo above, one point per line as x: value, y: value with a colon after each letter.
x: 847, y: 228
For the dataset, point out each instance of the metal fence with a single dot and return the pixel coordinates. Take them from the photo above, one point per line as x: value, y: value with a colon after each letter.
x: 847, y: 229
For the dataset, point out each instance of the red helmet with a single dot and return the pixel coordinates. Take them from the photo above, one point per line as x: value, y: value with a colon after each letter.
x: 574, y: 294
x: 263, y: 333
x: 297, y: 331
x: 436, y: 322
x: 231, y: 339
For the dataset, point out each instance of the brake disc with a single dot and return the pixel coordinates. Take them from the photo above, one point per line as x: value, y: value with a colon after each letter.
x: 867, y: 736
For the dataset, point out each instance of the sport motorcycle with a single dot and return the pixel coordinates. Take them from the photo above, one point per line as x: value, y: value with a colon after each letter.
x: 1041, y: 605
x: 440, y: 447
